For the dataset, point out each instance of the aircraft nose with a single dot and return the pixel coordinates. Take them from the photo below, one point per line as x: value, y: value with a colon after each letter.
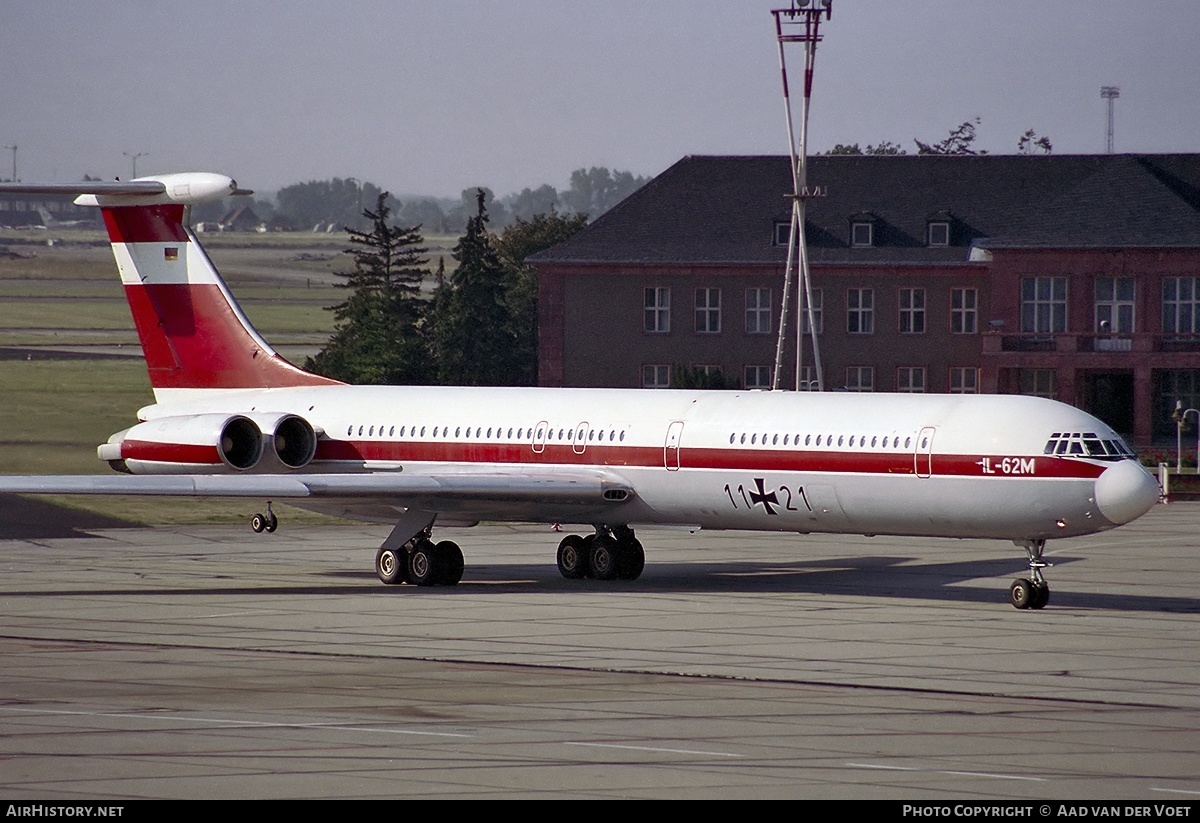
x: 1125, y: 491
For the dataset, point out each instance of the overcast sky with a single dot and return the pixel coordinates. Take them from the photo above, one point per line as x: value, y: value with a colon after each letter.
x: 433, y: 97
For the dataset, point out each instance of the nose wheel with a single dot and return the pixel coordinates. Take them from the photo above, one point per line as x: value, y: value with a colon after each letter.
x: 1032, y: 592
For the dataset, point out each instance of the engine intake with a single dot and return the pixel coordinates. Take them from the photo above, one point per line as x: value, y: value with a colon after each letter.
x: 241, y: 443
x: 295, y: 441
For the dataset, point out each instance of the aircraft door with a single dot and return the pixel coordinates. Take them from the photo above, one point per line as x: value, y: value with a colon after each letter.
x: 923, y: 452
x: 579, y: 441
x: 671, y: 446
x: 539, y: 437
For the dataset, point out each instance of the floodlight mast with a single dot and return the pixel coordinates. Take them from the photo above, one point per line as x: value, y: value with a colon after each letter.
x: 1109, y: 94
x: 806, y: 14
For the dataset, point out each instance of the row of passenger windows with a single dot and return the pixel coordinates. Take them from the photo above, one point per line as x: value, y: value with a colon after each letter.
x: 543, y: 433
x: 862, y: 441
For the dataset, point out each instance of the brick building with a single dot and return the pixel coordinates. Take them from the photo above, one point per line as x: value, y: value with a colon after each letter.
x: 1073, y: 277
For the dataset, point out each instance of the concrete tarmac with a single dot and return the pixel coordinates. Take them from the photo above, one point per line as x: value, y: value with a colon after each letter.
x: 210, y: 662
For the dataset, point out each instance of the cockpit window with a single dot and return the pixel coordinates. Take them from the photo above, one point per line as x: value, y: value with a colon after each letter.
x: 1087, y: 444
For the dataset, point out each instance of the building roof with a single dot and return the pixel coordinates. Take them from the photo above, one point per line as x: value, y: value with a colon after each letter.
x: 724, y: 209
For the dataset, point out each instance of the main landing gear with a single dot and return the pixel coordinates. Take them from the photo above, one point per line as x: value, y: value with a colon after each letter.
x: 1031, y: 593
x: 611, y: 553
x: 420, y: 561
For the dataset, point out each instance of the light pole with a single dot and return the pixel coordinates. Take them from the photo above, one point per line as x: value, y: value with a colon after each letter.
x: 1110, y: 93
x: 806, y: 14
x: 134, y: 157
x: 1180, y: 418
x: 13, y: 148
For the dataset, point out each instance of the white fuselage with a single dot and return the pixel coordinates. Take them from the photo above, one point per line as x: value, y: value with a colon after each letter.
x: 935, y: 465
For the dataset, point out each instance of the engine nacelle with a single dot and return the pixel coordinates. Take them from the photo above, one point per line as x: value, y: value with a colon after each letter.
x: 207, y: 443
x: 213, y: 443
x: 292, y: 441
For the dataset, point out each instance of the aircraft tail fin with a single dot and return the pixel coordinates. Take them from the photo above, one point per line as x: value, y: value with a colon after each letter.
x: 193, y: 333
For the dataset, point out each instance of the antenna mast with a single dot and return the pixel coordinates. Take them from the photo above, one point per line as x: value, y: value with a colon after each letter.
x: 799, y: 24
x: 1110, y: 93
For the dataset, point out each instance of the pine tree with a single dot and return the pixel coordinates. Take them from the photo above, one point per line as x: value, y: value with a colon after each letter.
x: 380, y: 334
x: 473, y: 339
x: 517, y: 242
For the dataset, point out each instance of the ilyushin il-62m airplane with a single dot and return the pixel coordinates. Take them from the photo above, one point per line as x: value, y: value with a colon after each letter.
x: 232, y: 418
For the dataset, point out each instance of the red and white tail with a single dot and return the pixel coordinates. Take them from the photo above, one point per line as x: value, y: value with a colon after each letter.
x: 193, y: 333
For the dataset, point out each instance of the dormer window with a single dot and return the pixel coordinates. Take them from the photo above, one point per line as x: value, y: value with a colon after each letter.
x: 782, y: 228
x: 939, y: 233
x: 862, y: 233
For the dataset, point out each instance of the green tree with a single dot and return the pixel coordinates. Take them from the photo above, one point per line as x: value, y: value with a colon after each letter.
x: 473, y: 339
x: 596, y: 190
x: 380, y: 335
x: 514, y: 245
x: 531, y: 202
x: 1030, y: 143
x: 887, y: 147
x: 958, y: 142
x: 324, y: 202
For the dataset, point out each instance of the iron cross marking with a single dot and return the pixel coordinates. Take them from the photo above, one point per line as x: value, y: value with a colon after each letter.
x: 763, y: 496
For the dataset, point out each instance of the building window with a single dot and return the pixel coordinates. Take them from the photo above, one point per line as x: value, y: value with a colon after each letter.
x: 757, y: 377
x: 1173, y: 386
x: 1181, y: 305
x: 860, y: 311
x: 964, y: 311
x: 910, y: 379
x: 1114, y: 305
x: 656, y: 376
x: 939, y: 234
x: 817, y: 301
x: 781, y: 232
x: 708, y: 311
x: 860, y: 378
x: 964, y: 380
x: 758, y: 311
x: 656, y: 316
x: 1038, y: 382
x: 1043, y: 305
x: 912, y: 311
x: 862, y: 234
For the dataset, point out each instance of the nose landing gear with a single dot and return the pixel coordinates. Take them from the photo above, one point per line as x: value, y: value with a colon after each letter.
x: 1032, y: 592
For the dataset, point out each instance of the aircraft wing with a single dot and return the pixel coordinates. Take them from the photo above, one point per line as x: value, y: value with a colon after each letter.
x: 454, y: 489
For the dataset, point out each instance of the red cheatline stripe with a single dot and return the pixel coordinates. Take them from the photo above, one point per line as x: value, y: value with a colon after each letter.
x: 885, y: 463
x: 145, y: 224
